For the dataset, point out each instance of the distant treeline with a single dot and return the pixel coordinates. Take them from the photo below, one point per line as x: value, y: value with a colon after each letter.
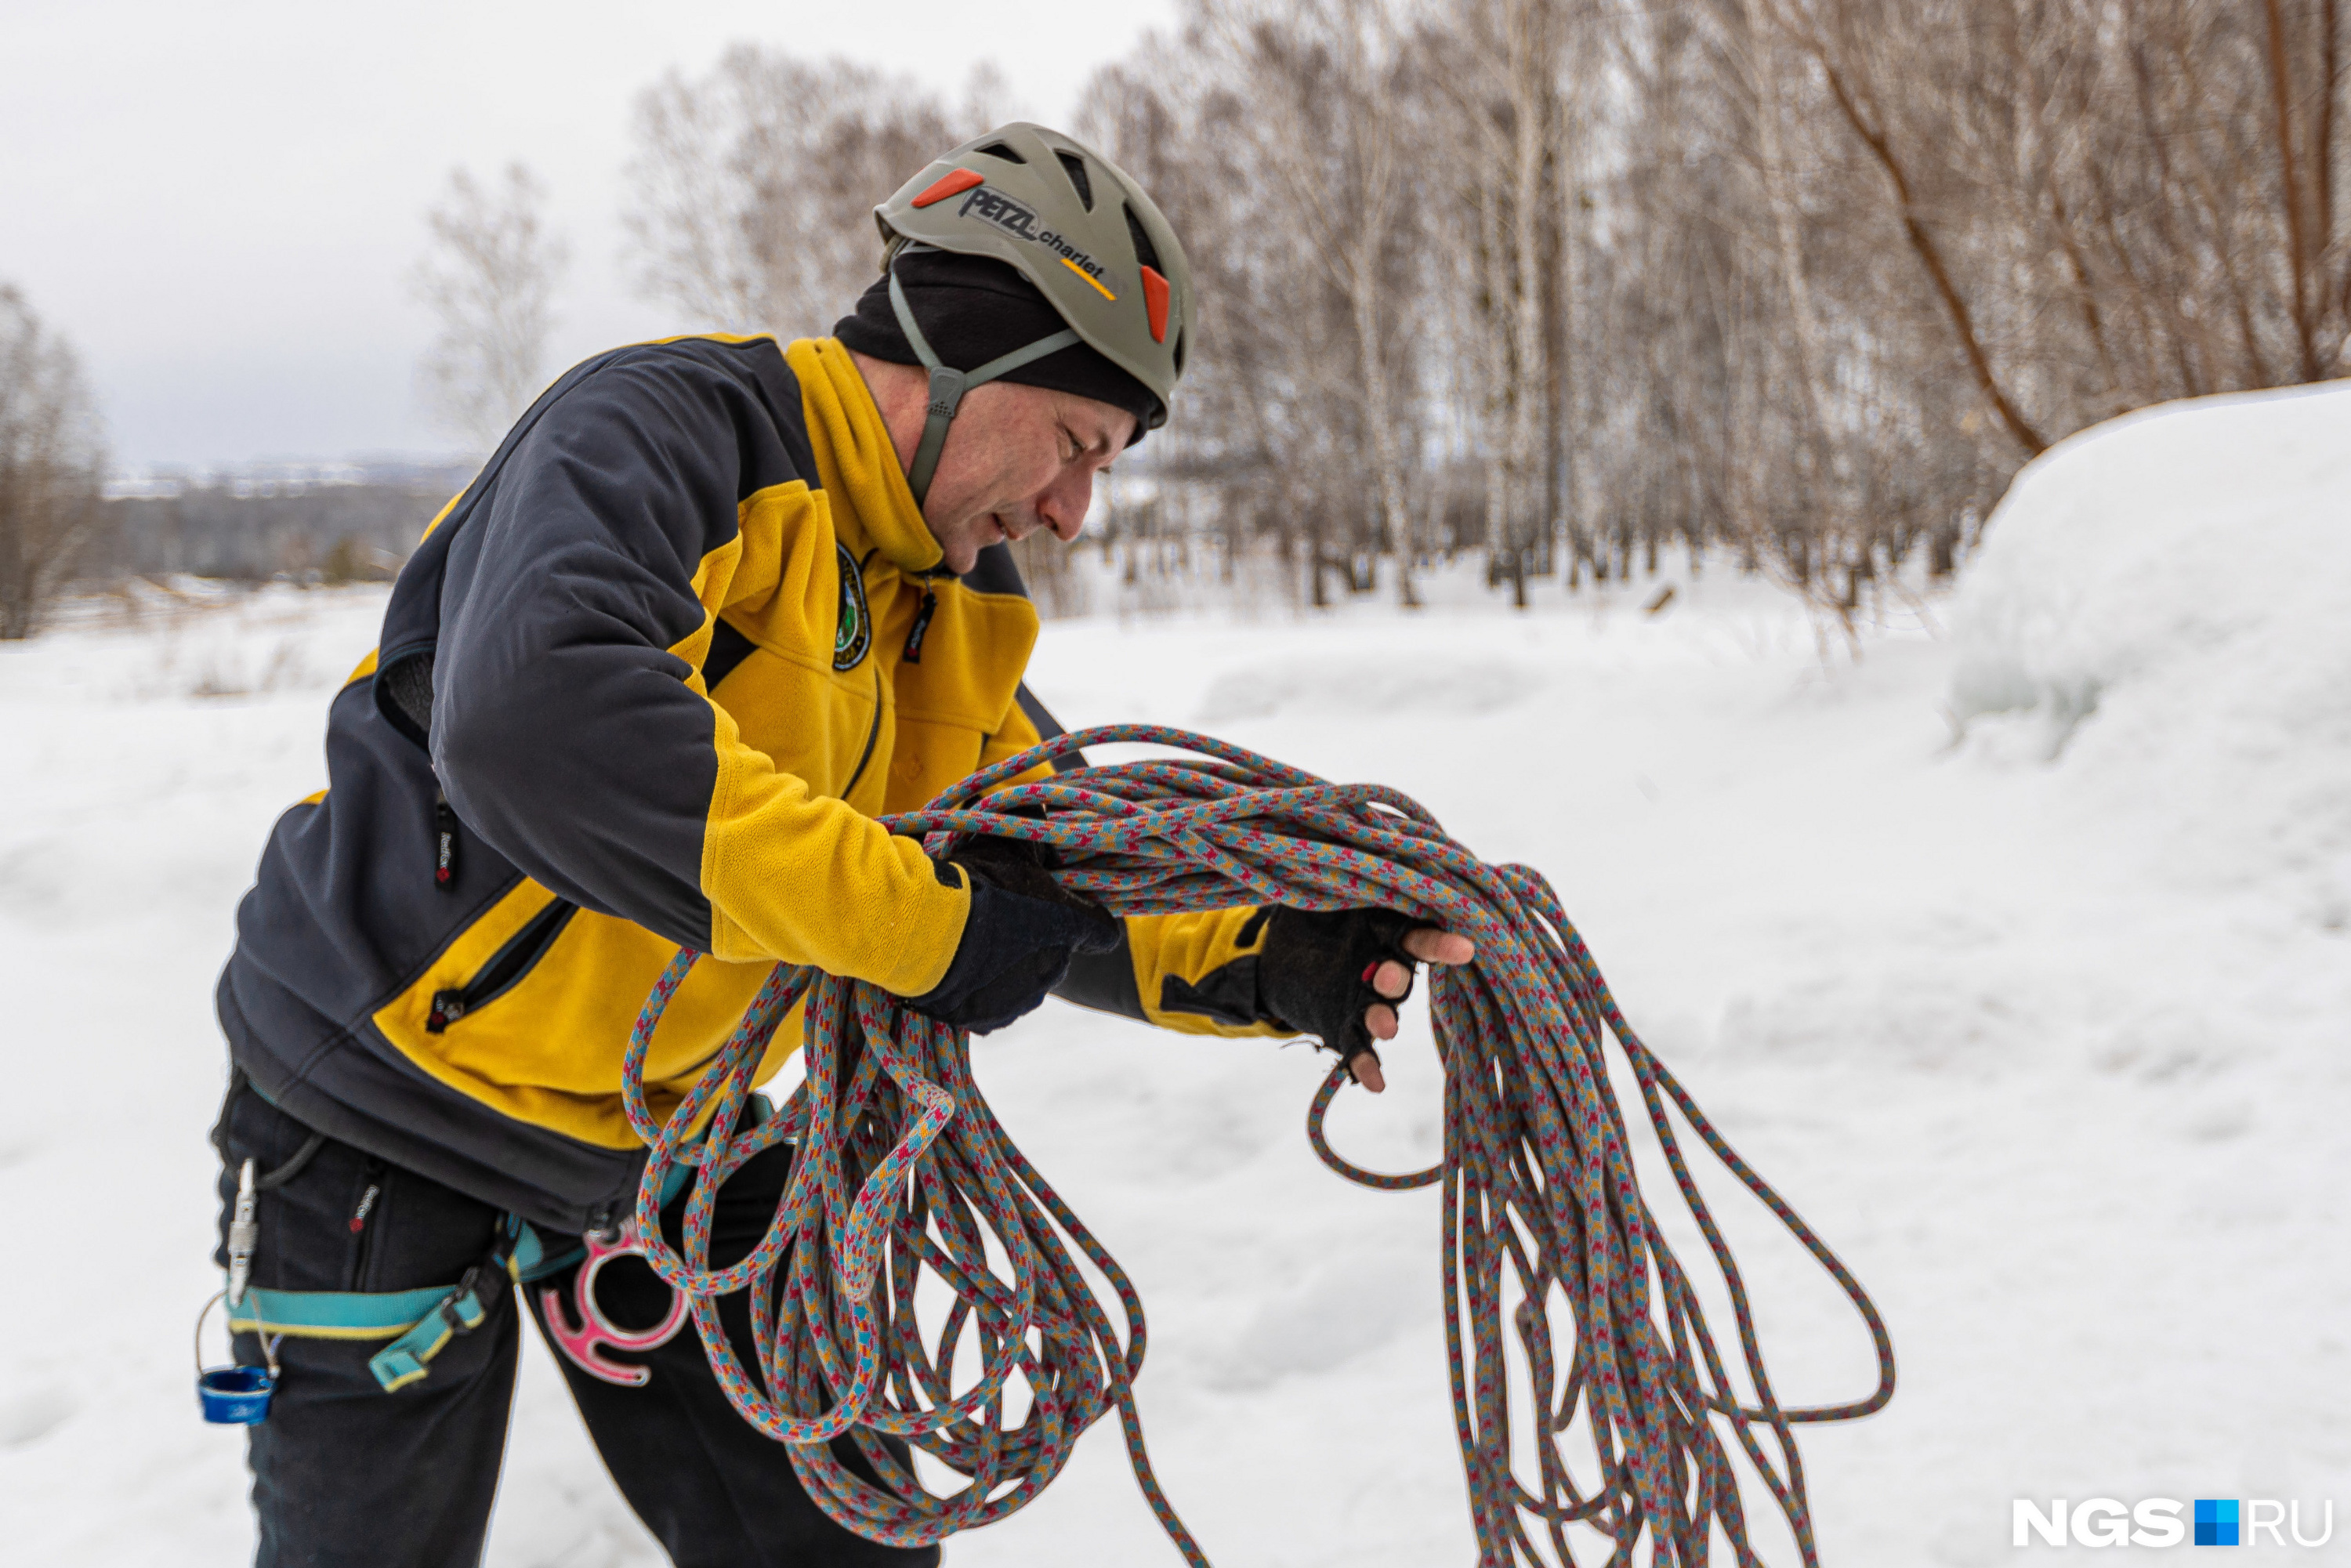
x: 339, y: 533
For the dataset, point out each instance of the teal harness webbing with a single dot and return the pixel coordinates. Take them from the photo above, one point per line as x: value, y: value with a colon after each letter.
x: 408, y: 1358
x: 334, y: 1315
x: 419, y: 1323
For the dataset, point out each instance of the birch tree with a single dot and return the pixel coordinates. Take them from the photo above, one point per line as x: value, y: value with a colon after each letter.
x: 52, y: 466
x: 752, y: 186
x: 489, y: 276
x: 1322, y: 82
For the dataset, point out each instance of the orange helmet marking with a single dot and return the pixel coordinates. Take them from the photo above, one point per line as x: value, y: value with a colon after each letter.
x: 953, y: 184
x: 1155, y: 303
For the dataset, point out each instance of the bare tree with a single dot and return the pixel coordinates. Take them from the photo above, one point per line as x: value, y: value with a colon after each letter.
x: 1324, y: 78
x: 489, y: 276
x: 1271, y: 133
x: 987, y: 101
x: 754, y: 185
x: 1492, y: 83
x: 52, y: 465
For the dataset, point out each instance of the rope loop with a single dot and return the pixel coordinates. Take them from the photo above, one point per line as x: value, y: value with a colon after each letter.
x: 901, y: 1169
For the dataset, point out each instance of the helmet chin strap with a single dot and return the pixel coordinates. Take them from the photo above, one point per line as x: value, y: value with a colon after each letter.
x: 948, y: 384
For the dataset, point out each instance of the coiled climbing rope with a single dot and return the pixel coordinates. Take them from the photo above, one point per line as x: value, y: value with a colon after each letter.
x: 900, y: 1168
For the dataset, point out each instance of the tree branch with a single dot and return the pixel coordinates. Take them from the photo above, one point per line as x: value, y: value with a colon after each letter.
x: 2290, y: 189
x: 1930, y: 256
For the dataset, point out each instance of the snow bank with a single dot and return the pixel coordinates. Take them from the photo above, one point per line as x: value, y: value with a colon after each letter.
x: 2164, y: 607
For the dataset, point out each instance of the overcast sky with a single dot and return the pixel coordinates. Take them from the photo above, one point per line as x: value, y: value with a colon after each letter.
x: 220, y: 202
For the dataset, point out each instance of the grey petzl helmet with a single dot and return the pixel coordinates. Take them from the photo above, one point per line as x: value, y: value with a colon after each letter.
x: 1077, y: 227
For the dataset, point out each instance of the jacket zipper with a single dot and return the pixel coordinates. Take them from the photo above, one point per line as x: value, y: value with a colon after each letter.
x: 504, y: 969
x: 444, y: 841
x: 361, y: 1224
x: 872, y: 735
x: 912, y: 651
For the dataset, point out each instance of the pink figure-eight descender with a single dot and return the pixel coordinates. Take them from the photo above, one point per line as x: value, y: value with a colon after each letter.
x: 596, y: 1331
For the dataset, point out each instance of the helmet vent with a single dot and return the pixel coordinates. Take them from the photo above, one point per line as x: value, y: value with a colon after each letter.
x: 1146, y: 253
x: 1183, y: 341
x: 1075, y: 167
x: 1003, y: 151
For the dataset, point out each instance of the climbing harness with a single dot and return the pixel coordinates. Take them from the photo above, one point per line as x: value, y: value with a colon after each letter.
x: 900, y: 1168
x: 420, y: 1323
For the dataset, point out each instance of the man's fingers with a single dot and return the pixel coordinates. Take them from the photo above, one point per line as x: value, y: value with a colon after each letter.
x: 1434, y: 946
x: 1429, y: 946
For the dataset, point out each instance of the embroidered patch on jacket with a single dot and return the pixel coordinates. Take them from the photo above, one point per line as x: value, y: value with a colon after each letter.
x: 852, y: 634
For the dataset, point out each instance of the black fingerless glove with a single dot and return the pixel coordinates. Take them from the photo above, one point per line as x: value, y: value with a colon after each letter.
x: 1018, y: 940
x: 1314, y: 973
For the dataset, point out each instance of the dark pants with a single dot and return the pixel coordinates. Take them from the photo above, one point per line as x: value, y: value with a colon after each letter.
x: 345, y: 1473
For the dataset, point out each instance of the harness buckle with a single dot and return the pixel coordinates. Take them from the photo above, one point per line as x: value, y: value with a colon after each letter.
x: 947, y: 387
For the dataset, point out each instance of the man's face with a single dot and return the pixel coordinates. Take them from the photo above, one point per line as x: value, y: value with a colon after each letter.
x: 1019, y: 458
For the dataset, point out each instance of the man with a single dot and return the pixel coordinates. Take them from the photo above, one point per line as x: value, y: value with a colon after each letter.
x: 713, y: 606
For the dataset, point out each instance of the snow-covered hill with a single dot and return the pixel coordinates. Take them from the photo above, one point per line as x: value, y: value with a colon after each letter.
x: 2016, y: 957
x: 2185, y: 575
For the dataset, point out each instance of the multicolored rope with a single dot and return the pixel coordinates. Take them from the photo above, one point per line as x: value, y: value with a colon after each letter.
x: 1541, y: 1207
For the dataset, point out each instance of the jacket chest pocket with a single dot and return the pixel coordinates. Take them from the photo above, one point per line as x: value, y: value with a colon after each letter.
x: 529, y: 1012
x: 503, y: 970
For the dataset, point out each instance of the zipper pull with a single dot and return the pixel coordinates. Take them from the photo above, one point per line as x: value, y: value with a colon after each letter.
x: 448, y: 1007
x: 375, y: 1180
x: 912, y: 654
x: 444, y: 827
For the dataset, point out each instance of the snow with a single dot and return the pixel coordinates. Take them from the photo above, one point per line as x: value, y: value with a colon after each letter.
x: 2014, y: 954
x: 2192, y: 562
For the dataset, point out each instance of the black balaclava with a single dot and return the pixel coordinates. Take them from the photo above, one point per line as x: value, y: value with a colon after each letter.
x: 974, y: 308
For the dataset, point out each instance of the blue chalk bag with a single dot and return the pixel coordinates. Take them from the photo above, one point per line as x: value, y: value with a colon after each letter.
x: 233, y: 1395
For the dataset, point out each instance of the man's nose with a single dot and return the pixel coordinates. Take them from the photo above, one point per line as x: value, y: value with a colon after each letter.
x: 1065, y: 503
